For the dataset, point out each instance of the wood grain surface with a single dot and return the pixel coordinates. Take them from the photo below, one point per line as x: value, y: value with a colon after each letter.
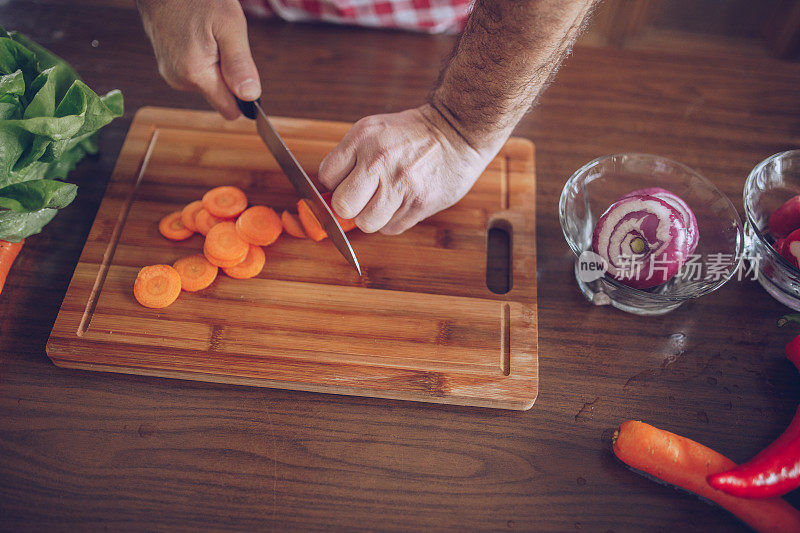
x: 92, y: 451
x: 419, y: 324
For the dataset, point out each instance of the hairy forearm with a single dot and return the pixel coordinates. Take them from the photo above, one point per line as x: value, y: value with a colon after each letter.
x: 503, y: 60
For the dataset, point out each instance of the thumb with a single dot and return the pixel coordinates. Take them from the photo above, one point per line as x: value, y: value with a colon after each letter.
x: 236, y: 61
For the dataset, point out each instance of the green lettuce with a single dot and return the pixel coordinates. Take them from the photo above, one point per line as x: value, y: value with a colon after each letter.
x: 49, y: 119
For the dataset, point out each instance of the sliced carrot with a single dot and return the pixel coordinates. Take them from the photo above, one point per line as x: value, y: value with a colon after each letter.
x: 225, y: 202
x: 189, y: 213
x: 347, y: 224
x: 8, y: 254
x: 310, y: 223
x: 157, y: 286
x: 292, y: 225
x: 171, y: 227
x: 196, y: 272
x: 686, y: 464
x: 259, y: 225
x: 252, y: 265
x: 205, y: 221
x: 223, y: 242
x: 224, y: 263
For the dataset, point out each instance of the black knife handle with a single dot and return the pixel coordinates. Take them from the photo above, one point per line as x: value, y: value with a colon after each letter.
x: 248, y: 109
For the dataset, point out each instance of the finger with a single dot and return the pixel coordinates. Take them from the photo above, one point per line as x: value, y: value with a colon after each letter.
x: 379, y: 210
x: 339, y: 162
x: 353, y: 193
x: 236, y: 61
x: 216, y: 93
x: 405, y: 218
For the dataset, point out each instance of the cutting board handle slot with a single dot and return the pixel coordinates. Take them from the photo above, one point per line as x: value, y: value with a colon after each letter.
x: 499, y: 237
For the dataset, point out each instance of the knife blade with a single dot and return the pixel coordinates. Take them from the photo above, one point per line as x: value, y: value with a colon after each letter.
x: 299, y: 180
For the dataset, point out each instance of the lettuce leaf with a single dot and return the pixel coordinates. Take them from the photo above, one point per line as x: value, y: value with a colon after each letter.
x: 17, y: 226
x: 30, y: 196
x: 49, y: 119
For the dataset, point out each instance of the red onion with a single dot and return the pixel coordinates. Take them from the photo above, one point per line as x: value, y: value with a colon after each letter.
x: 643, y: 239
x: 689, y: 220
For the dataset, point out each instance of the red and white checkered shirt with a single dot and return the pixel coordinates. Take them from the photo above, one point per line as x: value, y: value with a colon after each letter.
x: 429, y: 16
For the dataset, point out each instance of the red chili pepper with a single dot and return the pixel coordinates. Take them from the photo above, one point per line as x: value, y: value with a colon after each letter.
x: 773, y: 472
x: 776, y: 470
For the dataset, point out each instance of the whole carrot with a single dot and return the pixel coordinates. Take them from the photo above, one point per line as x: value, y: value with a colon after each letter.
x: 8, y: 253
x: 686, y: 464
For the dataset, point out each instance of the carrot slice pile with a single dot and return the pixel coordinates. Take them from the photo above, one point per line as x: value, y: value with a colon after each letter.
x: 292, y: 225
x: 234, y: 235
x: 259, y: 225
x: 204, y: 221
x: 310, y: 223
x: 225, y: 202
x: 223, y: 246
x: 171, y: 227
x: 252, y: 265
x: 189, y: 213
x: 196, y: 272
x: 157, y: 286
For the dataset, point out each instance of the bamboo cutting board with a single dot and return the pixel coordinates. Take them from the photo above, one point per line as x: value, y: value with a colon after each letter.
x: 419, y: 325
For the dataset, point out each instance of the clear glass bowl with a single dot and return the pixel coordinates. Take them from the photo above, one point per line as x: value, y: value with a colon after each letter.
x: 599, y: 183
x: 769, y: 185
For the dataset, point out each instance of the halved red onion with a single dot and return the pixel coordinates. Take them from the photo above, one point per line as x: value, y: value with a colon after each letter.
x: 689, y: 220
x: 643, y: 240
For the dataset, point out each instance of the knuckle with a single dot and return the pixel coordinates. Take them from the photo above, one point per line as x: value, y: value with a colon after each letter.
x: 404, y: 178
x: 367, y: 224
x: 371, y: 125
x: 381, y: 156
x: 419, y: 200
x: 190, y: 76
x: 229, y: 12
x: 342, y: 207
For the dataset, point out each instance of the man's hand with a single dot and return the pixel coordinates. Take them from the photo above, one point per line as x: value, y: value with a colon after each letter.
x: 391, y: 171
x: 201, y: 45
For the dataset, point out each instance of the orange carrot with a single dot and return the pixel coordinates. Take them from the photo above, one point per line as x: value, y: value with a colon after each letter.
x: 157, y: 286
x: 189, y: 213
x: 223, y: 242
x: 310, y: 223
x: 686, y: 464
x: 259, y: 225
x: 171, y: 227
x: 224, y: 263
x: 252, y: 265
x: 225, y: 202
x: 196, y: 272
x: 292, y: 225
x: 347, y: 224
x: 8, y: 253
x: 204, y: 221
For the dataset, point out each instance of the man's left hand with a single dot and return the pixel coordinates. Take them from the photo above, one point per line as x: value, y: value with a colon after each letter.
x: 391, y: 171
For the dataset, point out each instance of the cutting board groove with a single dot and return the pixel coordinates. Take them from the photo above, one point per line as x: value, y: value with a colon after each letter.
x: 420, y: 324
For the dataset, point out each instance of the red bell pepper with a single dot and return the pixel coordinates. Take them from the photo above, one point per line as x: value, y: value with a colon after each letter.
x: 776, y: 469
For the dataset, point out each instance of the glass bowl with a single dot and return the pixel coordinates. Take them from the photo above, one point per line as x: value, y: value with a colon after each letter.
x: 599, y: 183
x: 769, y: 185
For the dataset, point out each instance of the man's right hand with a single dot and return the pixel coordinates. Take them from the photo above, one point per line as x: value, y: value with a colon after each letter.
x: 201, y: 45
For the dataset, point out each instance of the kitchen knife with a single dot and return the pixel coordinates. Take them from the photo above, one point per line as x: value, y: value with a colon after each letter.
x: 299, y: 179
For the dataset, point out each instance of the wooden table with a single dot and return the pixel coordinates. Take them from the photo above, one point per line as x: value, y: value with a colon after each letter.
x: 99, y: 450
